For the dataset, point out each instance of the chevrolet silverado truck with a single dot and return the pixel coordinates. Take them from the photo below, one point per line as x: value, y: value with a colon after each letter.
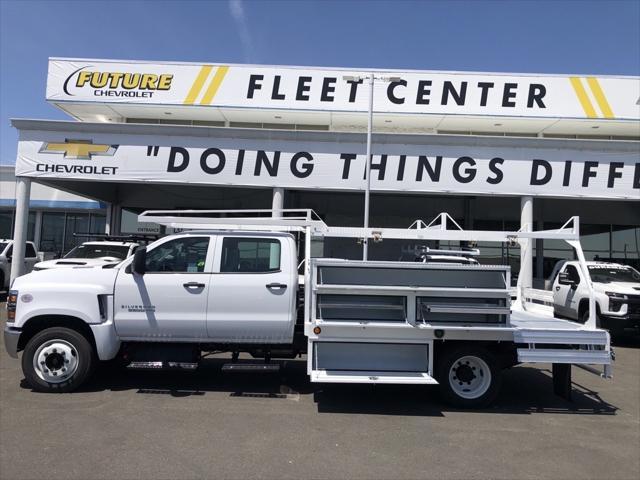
x: 231, y: 284
x: 617, y: 294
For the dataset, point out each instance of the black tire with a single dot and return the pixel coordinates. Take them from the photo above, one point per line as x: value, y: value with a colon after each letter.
x: 83, y: 359
x: 585, y: 318
x: 486, y: 371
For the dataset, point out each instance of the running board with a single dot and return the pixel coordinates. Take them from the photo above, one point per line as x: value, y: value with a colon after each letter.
x: 547, y: 355
x: 358, y: 376
x: 251, y: 367
x: 163, y: 365
x: 565, y: 337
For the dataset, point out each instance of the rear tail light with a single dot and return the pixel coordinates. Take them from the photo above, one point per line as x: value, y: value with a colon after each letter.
x: 12, y: 302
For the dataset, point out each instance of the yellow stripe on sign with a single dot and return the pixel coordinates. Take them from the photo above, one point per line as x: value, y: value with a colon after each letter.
x: 582, y: 96
x: 197, y: 84
x: 594, y: 85
x: 214, y: 85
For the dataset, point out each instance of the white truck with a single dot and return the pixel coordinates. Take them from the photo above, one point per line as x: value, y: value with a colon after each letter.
x: 232, y: 284
x: 91, y: 254
x: 617, y: 294
x: 6, y: 256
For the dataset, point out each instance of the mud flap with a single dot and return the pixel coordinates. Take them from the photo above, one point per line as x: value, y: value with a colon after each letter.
x: 562, y: 380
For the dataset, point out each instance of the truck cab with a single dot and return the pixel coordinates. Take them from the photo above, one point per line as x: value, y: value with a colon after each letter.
x: 191, y: 291
x: 617, y: 292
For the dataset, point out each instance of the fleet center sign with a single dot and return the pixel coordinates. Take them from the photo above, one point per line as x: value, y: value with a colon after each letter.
x: 341, y: 90
x: 320, y: 160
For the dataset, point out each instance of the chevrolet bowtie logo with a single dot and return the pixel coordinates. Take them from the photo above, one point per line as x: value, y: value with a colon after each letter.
x: 78, y: 149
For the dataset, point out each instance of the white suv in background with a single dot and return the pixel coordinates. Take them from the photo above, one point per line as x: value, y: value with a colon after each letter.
x: 91, y: 254
x: 6, y: 255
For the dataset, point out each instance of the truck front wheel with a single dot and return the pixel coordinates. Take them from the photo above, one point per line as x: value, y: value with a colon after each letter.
x: 58, y: 360
x: 469, y: 377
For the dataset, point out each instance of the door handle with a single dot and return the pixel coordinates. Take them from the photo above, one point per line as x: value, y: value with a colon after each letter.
x: 276, y: 286
x: 193, y: 285
x: 557, y: 288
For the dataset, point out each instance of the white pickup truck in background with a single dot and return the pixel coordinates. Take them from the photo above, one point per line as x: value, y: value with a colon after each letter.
x: 617, y: 292
x: 91, y: 254
x: 6, y: 255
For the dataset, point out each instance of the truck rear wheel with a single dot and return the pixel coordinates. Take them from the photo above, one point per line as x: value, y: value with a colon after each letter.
x: 57, y: 360
x: 469, y: 377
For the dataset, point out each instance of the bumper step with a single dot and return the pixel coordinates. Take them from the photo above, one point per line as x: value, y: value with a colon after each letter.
x: 547, y: 355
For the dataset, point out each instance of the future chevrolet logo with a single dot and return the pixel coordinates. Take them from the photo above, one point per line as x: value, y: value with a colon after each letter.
x: 78, y: 149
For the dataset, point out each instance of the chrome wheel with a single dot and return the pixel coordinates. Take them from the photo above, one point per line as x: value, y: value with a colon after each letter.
x: 55, y: 361
x: 470, y: 377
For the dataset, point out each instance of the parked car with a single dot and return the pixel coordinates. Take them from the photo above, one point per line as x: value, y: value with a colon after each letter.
x: 617, y: 292
x: 6, y: 254
x: 91, y: 254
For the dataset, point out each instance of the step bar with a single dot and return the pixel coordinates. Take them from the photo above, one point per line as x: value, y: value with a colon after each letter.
x: 358, y: 376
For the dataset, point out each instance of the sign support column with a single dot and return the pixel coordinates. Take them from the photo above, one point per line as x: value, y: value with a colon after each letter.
x: 526, y: 248
x: 23, y: 193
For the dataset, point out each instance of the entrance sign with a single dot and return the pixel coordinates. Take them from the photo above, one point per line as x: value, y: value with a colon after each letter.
x: 329, y: 161
x: 339, y: 90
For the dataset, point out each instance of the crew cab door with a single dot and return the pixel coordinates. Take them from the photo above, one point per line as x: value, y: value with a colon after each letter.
x: 168, y: 302
x: 564, y: 295
x: 252, y: 293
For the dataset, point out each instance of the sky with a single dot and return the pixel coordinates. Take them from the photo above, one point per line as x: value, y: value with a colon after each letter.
x: 565, y: 37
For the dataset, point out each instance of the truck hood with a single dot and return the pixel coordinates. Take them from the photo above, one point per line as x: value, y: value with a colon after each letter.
x: 99, y: 280
x: 630, y: 288
x: 75, y: 262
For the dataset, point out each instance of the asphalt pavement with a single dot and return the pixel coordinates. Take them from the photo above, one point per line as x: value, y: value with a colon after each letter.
x: 212, y: 424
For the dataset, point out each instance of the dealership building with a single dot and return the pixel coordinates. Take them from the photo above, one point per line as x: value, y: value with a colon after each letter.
x: 495, y: 151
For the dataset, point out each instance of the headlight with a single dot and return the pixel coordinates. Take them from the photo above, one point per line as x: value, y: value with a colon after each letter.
x: 616, y: 296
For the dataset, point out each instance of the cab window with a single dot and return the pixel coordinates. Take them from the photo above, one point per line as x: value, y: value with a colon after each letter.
x: 250, y: 255
x: 572, y: 273
x: 182, y: 255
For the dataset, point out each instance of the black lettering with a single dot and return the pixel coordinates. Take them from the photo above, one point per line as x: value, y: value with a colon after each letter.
x: 484, y: 88
x: 205, y: 156
x: 567, y: 173
x: 449, y: 89
x: 254, y: 85
x: 173, y: 153
x: 613, y: 173
x: 493, y: 167
x: 275, y: 94
x: 347, y: 157
x: 305, y: 169
x: 353, y: 90
x: 240, y: 162
x: 391, y: 92
x: 303, y: 89
x: 537, y: 92
x: 263, y: 159
x: 381, y: 167
x: 328, y: 88
x: 470, y: 173
x: 433, y: 172
x: 588, y: 172
x: 536, y: 165
x: 424, y: 90
x: 508, y: 94
x: 401, y: 165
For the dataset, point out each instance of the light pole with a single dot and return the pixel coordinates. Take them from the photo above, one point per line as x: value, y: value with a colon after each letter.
x: 371, y: 77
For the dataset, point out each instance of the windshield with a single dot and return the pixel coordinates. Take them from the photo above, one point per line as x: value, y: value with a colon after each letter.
x: 608, y: 274
x: 99, y: 251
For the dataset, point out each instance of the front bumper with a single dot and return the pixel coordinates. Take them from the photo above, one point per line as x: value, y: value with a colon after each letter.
x: 11, y: 337
x: 621, y: 323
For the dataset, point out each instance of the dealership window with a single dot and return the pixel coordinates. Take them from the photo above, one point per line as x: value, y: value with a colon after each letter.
x: 75, y: 223
x: 52, y: 232
x: 7, y: 219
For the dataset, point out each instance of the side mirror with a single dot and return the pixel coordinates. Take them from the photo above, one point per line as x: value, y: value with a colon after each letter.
x: 139, y: 264
x: 565, y: 279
